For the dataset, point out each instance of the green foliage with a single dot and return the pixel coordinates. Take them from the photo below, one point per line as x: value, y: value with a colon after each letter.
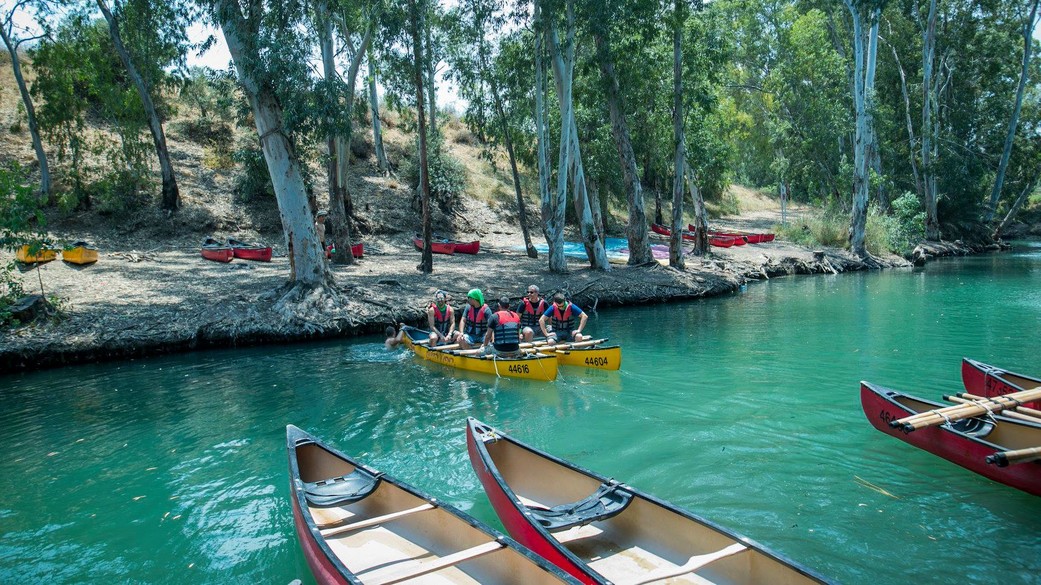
x: 829, y: 228
x: 447, y: 175
x: 21, y: 224
x: 908, y: 223
x: 252, y: 179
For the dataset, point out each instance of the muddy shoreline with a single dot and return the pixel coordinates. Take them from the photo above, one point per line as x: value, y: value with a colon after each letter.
x: 136, y: 304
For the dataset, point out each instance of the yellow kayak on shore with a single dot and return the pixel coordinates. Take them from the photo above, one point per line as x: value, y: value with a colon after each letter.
x: 44, y: 254
x: 536, y: 366
x: 80, y: 253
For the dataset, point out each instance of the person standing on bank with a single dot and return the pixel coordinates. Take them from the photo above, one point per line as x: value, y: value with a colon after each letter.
x: 503, y: 331
x: 441, y: 318
x: 319, y: 228
x: 531, y: 307
x: 563, y: 315
x: 474, y: 322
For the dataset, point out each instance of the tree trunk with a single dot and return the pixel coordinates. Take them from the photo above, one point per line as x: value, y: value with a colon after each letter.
x: 929, y: 136
x: 700, y: 215
x: 863, y: 63
x: 1017, y: 205
x: 1024, y: 73
x: 874, y: 156
x: 636, y: 229
x: 307, y: 259
x: 377, y: 131
x: 339, y: 225
x: 431, y: 87
x: 679, y: 162
x: 563, y: 71
x: 30, y: 111
x: 552, y: 207
x: 343, y: 138
x: 426, y: 265
x: 910, y: 126
x: 171, y: 199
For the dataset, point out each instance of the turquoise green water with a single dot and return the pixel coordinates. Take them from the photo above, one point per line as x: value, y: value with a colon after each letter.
x: 744, y: 409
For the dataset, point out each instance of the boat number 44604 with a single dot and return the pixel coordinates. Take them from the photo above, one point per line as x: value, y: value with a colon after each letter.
x: 596, y: 361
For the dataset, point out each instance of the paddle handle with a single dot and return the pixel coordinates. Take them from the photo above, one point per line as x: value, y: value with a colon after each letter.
x: 1006, y: 458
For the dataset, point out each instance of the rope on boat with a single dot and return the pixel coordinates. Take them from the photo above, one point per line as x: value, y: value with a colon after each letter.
x: 495, y: 364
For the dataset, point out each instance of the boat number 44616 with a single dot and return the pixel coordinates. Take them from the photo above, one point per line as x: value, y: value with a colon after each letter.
x: 519, y: 369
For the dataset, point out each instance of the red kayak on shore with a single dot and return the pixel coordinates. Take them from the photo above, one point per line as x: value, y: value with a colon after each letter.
x: 986, y: 380
x: 467, y: 247
x: 357, y: 250
x: 968, y: 442
x: 246, y: 251
x: 442, y: 247
x: 602, y: 531
x: 750, y: 237
x: 713, y: 240
x: 216, y: 251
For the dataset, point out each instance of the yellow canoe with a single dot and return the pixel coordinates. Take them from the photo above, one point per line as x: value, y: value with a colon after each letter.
x: 530, y: 367
x: 80, y: 253
x: 42, y: 255
x: 601, y: 358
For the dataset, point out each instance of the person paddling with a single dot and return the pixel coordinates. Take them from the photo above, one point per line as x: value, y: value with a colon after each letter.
x: 531, y: 307
x: 474, y: 322
x: 503, y: 331
x: 441, y: 319
x: 563, y: 315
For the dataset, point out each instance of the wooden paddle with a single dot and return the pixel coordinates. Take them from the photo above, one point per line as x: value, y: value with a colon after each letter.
x: 527, y: 349
x: 1018, y: 413
x: 1022, y: 409
x: 940, y: 416
x: 1006, y: 458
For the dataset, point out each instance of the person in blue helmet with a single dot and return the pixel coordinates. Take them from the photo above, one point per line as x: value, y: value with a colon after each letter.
x: 474, y: 322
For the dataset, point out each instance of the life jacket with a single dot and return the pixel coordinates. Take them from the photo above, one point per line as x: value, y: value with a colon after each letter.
x: 507, y: 332
x: 530, y: 314
x: 476, y: 321
x: 442, y: 320
x: 563, y: 323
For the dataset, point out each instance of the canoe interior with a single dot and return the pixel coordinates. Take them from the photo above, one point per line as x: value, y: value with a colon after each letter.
x: 1005, y: 436
x: 420, y: 536
x: 643, y: 538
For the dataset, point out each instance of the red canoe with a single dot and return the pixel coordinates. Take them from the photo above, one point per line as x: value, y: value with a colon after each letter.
x: 751, y: 238
x: 246, y: 251
x: 467, y: 247
x: 357, y: 250
x: 216, y: 251
x: 359, y: 526
x: 713, y: 240
x: 442, y: 247
x: 986, y: 380
x: 967, y: 442
x: 602, y: 531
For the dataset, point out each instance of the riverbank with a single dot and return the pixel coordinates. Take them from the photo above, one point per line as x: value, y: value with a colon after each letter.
x: 136, y: 302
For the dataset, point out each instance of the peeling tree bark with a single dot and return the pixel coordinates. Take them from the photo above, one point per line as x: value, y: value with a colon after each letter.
x: 426, y: 265
x: 930, y: 125
x: 636, y: 229
x: 374, y: 106
x: 171, y: 200
x: 307, y: 259
x: 551, y: 207
x: 680, y: 160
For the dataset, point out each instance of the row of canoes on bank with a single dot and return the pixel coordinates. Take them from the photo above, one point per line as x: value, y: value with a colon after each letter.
x: 718, y: 238
x: 568, y: 525
x: 76, y: 253
x: 993, y: 429
x: 229, y: 250
x: 539, y: 360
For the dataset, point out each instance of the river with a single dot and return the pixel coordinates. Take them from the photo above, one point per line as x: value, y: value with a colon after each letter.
x: 744, y: 409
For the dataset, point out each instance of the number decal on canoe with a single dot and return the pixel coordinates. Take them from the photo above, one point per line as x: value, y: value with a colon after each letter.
x: 596, y: 361
x: 519, y: 369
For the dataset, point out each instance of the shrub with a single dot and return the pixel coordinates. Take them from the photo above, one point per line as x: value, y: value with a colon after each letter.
x: 120, y: 192
x: 252, y: 180
x: 18, y: 210
x: 447, y: 175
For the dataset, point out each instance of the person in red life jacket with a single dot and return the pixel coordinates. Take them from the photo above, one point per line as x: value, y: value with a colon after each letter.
x: 563, y: 315
x: 474, y: 322
x: 503, y: 331
x: 441, y: 319
x: 531, y: 307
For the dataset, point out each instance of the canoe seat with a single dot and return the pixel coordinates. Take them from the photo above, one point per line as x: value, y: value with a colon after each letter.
x: 605, y: 502
x: 341, y: 490
x: 975, y: 427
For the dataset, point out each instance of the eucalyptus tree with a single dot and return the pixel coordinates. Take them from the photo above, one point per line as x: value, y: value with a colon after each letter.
x: 604, y: 19
x: 269, y: 57
x: 679, y: 17
x: 374, y: 107
x: 865, y: 15
x: 562, y: 56
x: 1029, y: 23
x: 416, y: 13
x: 473, y: 57
x: 171, y: 198
x: 13, y: 41
x: 933, y: 78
